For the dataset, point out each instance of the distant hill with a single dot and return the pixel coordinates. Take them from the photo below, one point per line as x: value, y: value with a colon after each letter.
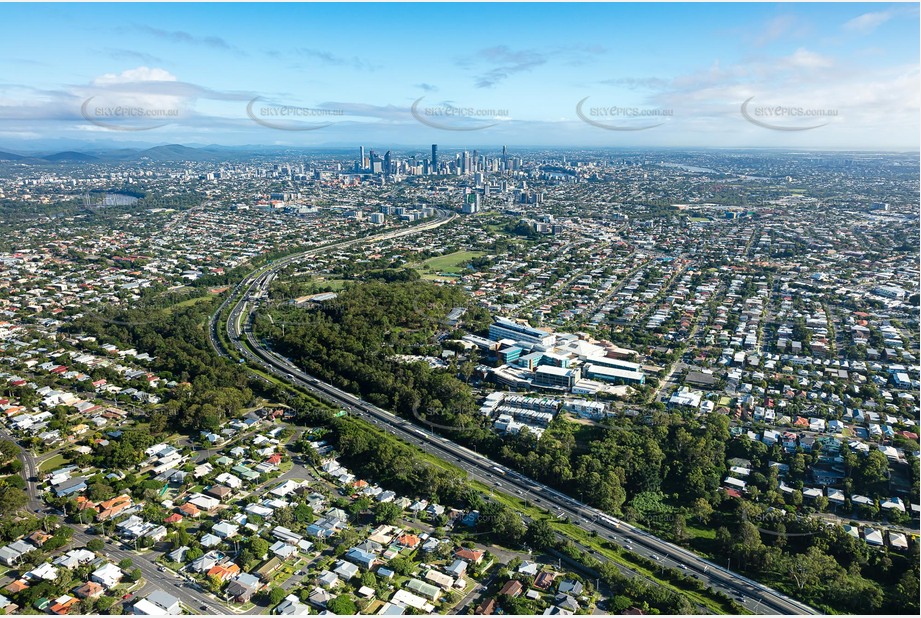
x: 166, y: 153
x: 70, y: 156
x: 177, y: 152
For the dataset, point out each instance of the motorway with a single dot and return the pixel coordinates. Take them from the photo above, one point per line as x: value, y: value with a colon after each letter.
x: 752, y: 595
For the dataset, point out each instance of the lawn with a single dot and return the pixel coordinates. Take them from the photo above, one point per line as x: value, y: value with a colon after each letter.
x: 188, y: 303
x: 52, y: 463
x: 334, y: 284
x: 703, y: 540
x: 450, y: 263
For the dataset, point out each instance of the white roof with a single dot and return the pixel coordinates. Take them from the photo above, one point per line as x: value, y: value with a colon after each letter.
x: 872, y: 537
x: 897, y: 539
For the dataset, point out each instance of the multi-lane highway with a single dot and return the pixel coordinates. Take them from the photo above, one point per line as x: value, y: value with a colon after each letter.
x: 752, y: 595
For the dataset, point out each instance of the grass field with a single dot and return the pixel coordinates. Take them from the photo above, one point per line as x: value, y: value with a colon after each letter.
x: 52, y: 463
x: 450, y: 263
x: 188, y: 302
x: 333, y: 284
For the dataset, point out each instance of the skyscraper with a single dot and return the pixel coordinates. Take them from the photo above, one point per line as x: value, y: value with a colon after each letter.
x: 361, y: 158
x: 434, y: 158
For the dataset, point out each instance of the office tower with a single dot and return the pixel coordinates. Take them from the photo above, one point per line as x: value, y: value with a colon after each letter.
x: 361, y: 158
x: 434, y: 158
x: 504, y: 158
x: 387, y: 162
x: 375, y: 163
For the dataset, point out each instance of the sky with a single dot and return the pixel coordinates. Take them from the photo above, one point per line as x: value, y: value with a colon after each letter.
x: 722, y: 75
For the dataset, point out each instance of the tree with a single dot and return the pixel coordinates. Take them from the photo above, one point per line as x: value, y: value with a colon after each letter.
x: 95, y: 545
x: 215, y: 583
x: 8, y: 450
x: 284, y: 516
x: 14, y: 467
x: 303, y: 513
x: 540, y: 534
x: 386, y: 512
x: 810, y: 568
x: 872, y: 471
x: 246, y: 557
x: 259, y: 547
x: 135, y: 574
x: 680, y: 529
x: 342, y: 605
x: 357, y: 506
x: 125, y: 563
x: 369, y: 579
x: 401, y: 566
x: 12, y: 499
x: 702, y: 510
x: 276, y: 596
x: 182, y: 536
x: 502, y: 522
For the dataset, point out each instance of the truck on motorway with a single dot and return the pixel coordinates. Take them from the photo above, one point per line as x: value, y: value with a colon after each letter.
x: 611, y: 521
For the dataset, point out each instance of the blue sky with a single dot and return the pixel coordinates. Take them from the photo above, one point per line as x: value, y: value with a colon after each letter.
x: 814, y: 75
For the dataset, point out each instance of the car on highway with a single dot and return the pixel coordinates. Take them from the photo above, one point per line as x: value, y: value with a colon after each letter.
x: 654, y: 557
x: 683, y: 567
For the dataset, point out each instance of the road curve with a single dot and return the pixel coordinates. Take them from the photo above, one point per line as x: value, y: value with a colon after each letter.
x: 754, y: 596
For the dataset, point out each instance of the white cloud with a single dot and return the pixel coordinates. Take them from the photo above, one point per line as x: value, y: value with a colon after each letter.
x: 140, y: 74
x: 868, y: 22
x: 805, y: 59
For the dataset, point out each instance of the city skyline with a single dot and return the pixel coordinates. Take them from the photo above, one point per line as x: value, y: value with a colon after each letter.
x: 838, y: 76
